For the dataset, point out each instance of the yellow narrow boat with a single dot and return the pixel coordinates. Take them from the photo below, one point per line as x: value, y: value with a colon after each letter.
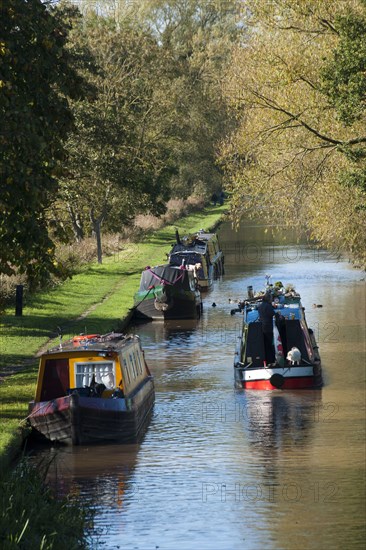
x: 93, y: 388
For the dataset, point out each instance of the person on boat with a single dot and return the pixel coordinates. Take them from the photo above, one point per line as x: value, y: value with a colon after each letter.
x: 281, y: 326
x: 266, y: 312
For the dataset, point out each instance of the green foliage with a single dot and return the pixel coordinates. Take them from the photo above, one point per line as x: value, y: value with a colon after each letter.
x: 344, y: 77
x: 118, y: 162
x: 32, y: 517
x: 344, y: 82
x: 298, y: 88
x: 152, y: 127
x: 35, y: 78
x: 104, y: 116
x: 197, y: 39
x: 355, y: 178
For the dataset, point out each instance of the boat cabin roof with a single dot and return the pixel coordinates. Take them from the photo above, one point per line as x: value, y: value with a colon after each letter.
x: 288, y: 308
x: 202, y: 235
x: 197, y: 248
x: 111, y: 342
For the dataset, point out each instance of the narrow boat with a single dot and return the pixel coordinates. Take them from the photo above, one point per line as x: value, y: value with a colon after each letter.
x: 167, y: 292
x: 93, y: 388
x: 297, y: 362
x: 200, y: 253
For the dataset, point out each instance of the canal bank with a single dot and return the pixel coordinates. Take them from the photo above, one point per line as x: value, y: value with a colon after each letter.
x: 97, y: 300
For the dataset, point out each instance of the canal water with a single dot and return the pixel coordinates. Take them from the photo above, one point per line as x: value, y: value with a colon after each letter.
x: 220, y: 468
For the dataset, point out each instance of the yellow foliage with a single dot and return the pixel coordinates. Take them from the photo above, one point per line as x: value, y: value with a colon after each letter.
x: 289, y: 142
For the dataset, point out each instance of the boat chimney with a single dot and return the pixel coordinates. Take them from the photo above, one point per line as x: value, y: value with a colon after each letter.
x: 59, y: 330
x: 177, y: 237
x: 250, y: 292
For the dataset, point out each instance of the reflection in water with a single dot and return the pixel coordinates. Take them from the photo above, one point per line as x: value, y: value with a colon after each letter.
x: 225, y: 469
x: 275, y: 420
x: 99, y: 471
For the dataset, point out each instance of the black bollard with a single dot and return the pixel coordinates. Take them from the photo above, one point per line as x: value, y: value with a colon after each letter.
x: 19, y: 300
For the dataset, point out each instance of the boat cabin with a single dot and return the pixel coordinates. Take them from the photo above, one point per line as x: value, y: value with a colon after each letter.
x: 290, y: 324
x: 91, y: 363
x: 201, y: 253
x: 213, y: 246
x: 195, y: 258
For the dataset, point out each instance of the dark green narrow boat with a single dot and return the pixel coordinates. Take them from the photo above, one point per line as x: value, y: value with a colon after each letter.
x: 167, y: 292
x: 201, y: 254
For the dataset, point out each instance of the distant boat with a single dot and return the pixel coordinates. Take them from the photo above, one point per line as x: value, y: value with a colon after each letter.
x: 93, y: 389
x: 167, y: 292
x: 201, y: 253
x: 297, y: 363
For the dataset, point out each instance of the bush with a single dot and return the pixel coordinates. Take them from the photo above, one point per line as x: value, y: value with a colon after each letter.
x: 148, y: 222
x: 7, y: 289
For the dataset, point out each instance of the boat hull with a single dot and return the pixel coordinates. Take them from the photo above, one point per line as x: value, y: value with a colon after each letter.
x: 286, y: 378
x: 180, y: 309
x: 78, y: 420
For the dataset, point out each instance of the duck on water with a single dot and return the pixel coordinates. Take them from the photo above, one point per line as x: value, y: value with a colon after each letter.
x: 276, y: 348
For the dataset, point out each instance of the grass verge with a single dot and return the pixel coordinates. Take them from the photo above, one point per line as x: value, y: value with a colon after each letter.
x: 32, y: 517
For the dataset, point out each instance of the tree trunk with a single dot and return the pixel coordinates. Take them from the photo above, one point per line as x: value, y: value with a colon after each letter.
x: 76, y: 223
x: 97, y: 223
x: 98, y: 236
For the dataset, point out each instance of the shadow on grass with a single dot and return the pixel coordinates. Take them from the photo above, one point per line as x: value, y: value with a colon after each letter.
x: 47, y: 329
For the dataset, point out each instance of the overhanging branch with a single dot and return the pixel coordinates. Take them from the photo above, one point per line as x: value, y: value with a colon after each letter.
x: 297, y: 117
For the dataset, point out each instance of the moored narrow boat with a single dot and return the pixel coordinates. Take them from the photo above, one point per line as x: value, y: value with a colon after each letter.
x: 167, y: 292
x: 297, y: 362
x: 201, y: 254
x: 93, y: 388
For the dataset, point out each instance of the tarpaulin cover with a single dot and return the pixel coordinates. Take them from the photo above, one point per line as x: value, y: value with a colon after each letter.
x: 166, y: 275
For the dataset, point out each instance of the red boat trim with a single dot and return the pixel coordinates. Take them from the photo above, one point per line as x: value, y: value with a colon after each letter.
x: 303, y: 382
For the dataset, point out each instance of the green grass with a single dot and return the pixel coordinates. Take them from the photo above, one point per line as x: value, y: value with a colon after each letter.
x: 32, y: 517
x: 104, y: 291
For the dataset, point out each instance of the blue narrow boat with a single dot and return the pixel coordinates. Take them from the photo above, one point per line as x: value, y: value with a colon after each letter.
x: 297, y: 362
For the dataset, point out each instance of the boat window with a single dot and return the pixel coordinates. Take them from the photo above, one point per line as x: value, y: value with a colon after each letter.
x: 127, y: 370
x: 189, y: 259
x: 101, y: 371
x: 132, y: 361
x: 139, y: 361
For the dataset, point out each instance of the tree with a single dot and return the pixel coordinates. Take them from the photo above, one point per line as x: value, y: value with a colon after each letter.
x: 196, y: 40
x: 153, y: 115
x: 118, y: 163
x: 298, y: 90
x: 36, y: 77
